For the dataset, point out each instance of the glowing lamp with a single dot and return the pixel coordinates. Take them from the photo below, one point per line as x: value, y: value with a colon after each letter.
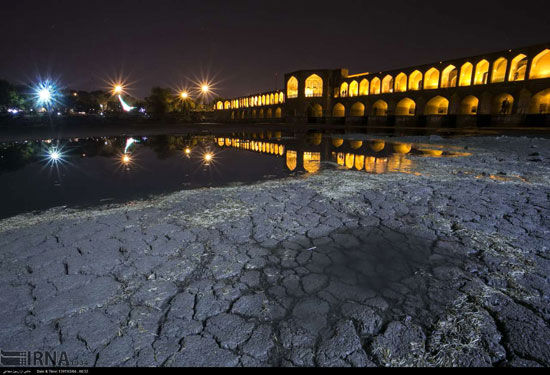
x: 126, y: 159
x: 208, y: 157
x: 205, y: 88
x: 117, y: 89
x: 184, y: 95
x: 55, y: 155
x: 45, y: 95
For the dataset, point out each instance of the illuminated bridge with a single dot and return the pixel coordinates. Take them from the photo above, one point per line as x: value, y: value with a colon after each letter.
x: 505, y: 87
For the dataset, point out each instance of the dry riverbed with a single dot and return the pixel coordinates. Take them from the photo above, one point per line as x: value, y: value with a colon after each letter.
x: 448, y: 266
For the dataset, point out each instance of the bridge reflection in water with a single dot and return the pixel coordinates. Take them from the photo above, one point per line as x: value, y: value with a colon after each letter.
x: 308, y: 154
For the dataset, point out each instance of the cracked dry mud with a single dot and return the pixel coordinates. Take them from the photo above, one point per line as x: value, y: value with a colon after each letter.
x: 342, y: 268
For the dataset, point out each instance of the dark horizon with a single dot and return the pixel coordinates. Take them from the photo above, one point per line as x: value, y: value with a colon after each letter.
x: 247, y: 47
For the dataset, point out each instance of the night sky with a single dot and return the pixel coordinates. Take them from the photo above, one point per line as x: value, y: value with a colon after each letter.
x: 247, y: 46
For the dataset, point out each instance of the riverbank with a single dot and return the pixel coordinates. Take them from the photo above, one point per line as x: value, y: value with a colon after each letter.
x: 445, y: 266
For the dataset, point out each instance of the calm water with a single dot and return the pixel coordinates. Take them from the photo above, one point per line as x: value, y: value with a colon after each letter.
x: 40, y: 174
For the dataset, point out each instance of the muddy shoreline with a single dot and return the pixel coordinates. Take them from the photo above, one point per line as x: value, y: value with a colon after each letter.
x: 445, y: 267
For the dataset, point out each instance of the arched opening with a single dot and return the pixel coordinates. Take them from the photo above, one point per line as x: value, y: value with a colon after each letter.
x: 518, y: 68
x: 502, y: 104
x: 344, y: 89
x: 315, y: 110
x: 291, y: 160
x: 269, y: 113
x: 540, y: 103
x: 406, y: 107
x: 431, y: 79
x: 380, y: 108
x: 415, y: 81
x: 466, y: 74
x: 314, y: 86
x: 226, y: 105
x: 278, y: 112
x: 353, y: 88
x: 387, y: 84
x: 232, y: 115
x: 482, y: 73
x: 499, y: 70
x: 219, y: 105
x: 271, y: 99
x: 364, y: 87
x: 338, y: 110
x: 401, y: 82
x: 540, y: 67
x: 437, y: 106
x: 276, y: 97
x: 375, y: 86
x: 292, y: 87
x: 359, y: 162
x: 263, y: 100
x: 349, y: 161
x: 254, y: 113
x: 261, y: 113
x: 357, y: 110
x: 312, y: 162
x: 281, y: 97
x: 469, y: 105
x: 448, y: 76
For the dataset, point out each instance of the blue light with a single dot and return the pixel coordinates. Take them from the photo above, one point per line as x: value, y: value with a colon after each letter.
x: 54, y: 156
x: 45, y: 93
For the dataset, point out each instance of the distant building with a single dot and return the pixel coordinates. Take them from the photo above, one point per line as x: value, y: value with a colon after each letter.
x: 506, y: 86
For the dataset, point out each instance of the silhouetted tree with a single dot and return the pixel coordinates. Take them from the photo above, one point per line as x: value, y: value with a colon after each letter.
x: 160, y: 102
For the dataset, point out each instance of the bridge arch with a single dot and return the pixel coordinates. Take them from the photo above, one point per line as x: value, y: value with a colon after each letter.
x: 448, y: 76
x: 540, y: 103
x: 353, y: 88
x: 375, y: 86
x: 357, y: 109
x: 469, y: 105
x: 431, y: 79
x: 387, y: 84
x: 466, y: 71
x: 482, y: 72
x: 314, y: 86
x: 364, y: 87
x: 437, y: 106
x: 406, y: 107
x: 540, y: 67
x: 503, y: 104
x: 292, y: 87
x: 518, y: 68
x: 401, y: 82
x: 499, y: 70
x: 344, y: 89
x: 338, y: 110
x: 415, y: 81
x: 380, y: 108
x: 315, y: 110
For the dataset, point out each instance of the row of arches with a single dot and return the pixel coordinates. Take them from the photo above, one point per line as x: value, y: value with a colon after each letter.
x: 484, y: 72
x: 253, y: 101
x: 438, y: 105
x: 261, y: 113
x: 251, y: 145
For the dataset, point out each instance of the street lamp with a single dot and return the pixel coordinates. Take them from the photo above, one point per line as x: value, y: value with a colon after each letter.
x: 118, y: 89
x: 184, y: 95
x: 205, y: 88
